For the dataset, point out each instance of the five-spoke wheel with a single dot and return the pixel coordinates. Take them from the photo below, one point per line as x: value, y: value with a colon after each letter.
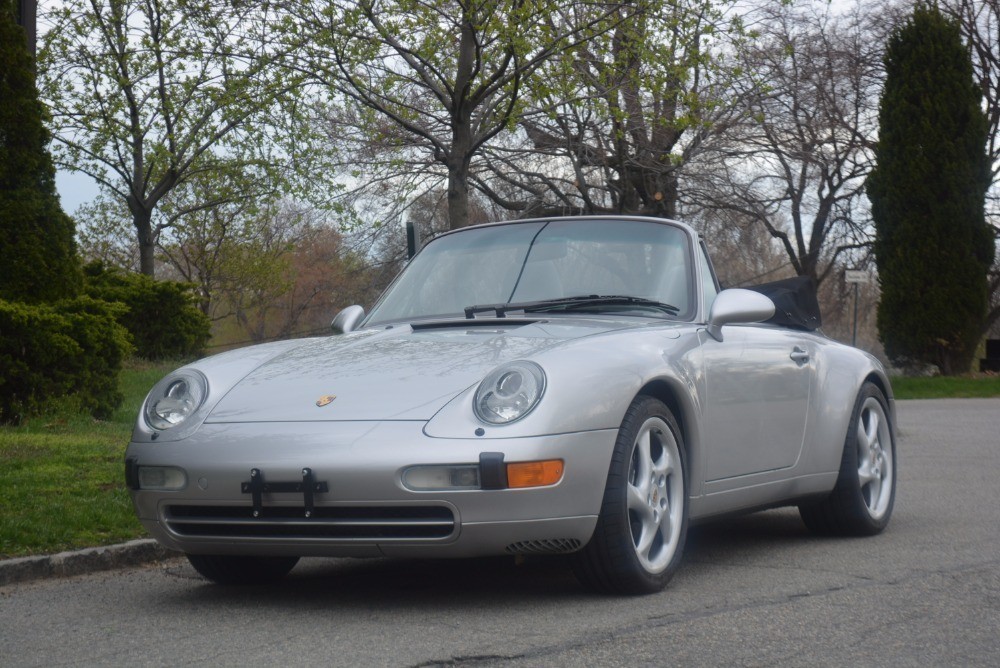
x: 875, y: 458
x: 642, y: 526
x: 655, y: 494
x: 861, y: 502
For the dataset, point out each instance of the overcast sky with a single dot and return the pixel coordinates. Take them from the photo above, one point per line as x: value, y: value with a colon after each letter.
x: 75, y: 189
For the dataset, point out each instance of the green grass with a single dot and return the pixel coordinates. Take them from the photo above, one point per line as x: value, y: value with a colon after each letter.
x: 62, y: 475
x: 945, y: 387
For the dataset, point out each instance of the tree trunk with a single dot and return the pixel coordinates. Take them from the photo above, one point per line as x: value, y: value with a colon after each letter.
x: 458, y: 195
x: 956, y: 359
x: 142, y: 219
x: 458, y: 162
x: 669, y: 193
x: 459, y: 157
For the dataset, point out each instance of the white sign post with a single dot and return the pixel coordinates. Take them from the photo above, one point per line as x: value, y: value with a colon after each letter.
x: 857, y: 277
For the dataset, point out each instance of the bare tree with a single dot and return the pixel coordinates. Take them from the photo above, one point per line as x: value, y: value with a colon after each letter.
x: 798, y: 162
x: 741, y: 255
x: 283, y: 272
x: 612, y: 124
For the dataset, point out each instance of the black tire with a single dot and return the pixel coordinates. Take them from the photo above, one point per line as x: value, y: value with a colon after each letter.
x: 640, y: 533
x: 227, y: 569
x: 862, y: 500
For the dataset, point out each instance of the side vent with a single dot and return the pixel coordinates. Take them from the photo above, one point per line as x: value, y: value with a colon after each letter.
x: 550, y: 546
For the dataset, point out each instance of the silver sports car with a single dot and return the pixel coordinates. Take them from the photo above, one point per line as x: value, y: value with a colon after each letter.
x: 569, y: 386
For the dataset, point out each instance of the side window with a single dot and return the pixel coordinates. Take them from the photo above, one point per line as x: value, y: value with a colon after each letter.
x: 709, y: 288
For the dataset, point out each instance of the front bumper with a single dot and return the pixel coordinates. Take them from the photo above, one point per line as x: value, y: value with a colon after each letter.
x: 365, y: 509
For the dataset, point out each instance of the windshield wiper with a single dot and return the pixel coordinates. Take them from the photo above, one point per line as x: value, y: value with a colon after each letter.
x: 570, y: 304
x: 586, y: 301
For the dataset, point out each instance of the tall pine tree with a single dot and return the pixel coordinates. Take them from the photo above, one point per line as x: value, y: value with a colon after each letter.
x: 38, y: 261
x: 933, y: 246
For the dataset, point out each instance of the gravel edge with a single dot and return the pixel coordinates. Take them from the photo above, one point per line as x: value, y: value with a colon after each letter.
x: 80, y: 562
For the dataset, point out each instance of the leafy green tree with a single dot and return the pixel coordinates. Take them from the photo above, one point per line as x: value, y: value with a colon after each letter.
x: 438, y: 80
x: 932, y: 244
x: 201, y: 222
x: 38, y: 261
x: 149, y: 94
x: 538, y: 108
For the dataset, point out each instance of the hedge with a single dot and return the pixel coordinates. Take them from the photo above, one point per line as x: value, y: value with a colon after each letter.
x: 161, y: 316
x: 70, y: 349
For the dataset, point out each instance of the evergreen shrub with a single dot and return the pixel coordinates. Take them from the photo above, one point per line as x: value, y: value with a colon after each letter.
x: 161, y: 316
x: 71, y: 350
x: 933, y: 246
x: 38, y: 261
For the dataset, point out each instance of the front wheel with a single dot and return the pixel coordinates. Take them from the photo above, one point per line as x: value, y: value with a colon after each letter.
x: 228, y: 569
x: 862, y: 500
x: 641, y: 530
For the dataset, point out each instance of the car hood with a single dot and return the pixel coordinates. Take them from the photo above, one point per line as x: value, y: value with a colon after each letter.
x: 402, y: 373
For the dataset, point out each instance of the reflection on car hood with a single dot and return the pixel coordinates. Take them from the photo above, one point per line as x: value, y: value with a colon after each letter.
x: 395, y: 374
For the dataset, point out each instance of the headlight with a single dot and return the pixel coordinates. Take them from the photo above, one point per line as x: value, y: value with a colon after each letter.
x: 174, y: 399
x: 509, y: 392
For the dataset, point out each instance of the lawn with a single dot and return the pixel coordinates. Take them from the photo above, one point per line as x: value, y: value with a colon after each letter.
x: 941, y: 387
x: 62, y: 475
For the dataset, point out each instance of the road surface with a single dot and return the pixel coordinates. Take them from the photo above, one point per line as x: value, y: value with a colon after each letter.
x: 754, y: 591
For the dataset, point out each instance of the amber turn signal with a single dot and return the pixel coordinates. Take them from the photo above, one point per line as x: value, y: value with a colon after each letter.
x: 534, y: 474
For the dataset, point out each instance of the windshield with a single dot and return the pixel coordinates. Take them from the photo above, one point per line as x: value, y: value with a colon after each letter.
x: 537, y: 261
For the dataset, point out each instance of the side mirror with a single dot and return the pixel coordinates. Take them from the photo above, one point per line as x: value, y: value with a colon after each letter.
x: 348, y: 319
x: 737, y: 305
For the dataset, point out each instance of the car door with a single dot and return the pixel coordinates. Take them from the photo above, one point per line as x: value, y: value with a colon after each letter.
x: 757, y: 383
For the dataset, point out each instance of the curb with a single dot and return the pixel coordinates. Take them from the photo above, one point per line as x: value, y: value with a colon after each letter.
x: 80, y: 562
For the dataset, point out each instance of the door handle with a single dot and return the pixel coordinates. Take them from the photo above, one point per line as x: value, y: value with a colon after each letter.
x: 799, y: 355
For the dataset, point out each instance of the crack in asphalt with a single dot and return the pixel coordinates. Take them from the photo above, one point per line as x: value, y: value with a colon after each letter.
x: 657, y: 622
x: 469, y: 660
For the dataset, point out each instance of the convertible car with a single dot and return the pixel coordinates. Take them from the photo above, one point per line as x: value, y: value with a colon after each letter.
x: 576, y: 386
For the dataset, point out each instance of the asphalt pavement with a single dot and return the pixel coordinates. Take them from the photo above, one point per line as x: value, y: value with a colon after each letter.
x: 758, y: 590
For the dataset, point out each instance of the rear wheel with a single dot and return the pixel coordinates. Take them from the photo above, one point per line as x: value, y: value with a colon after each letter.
x: 641, y: 530
x: 862, y: 501
x: 230, y: 569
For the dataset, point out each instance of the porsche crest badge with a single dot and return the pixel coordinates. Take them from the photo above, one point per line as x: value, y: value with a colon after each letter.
x: 325, y: 400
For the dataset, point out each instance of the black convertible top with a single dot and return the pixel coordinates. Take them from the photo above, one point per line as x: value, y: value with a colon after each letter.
x: 795, y: 303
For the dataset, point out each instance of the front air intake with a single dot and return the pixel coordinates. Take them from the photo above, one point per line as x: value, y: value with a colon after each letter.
x: 337, y: 523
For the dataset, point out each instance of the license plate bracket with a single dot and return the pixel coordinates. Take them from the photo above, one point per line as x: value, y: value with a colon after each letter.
x: 257, y: 487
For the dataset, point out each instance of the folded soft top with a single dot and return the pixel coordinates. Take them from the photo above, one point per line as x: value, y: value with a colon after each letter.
x: 795, y: 303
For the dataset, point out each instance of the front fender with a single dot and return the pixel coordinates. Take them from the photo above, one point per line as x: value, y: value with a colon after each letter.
x: 222, y: 372
x: 840, y: 374
x: 589, y: 386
